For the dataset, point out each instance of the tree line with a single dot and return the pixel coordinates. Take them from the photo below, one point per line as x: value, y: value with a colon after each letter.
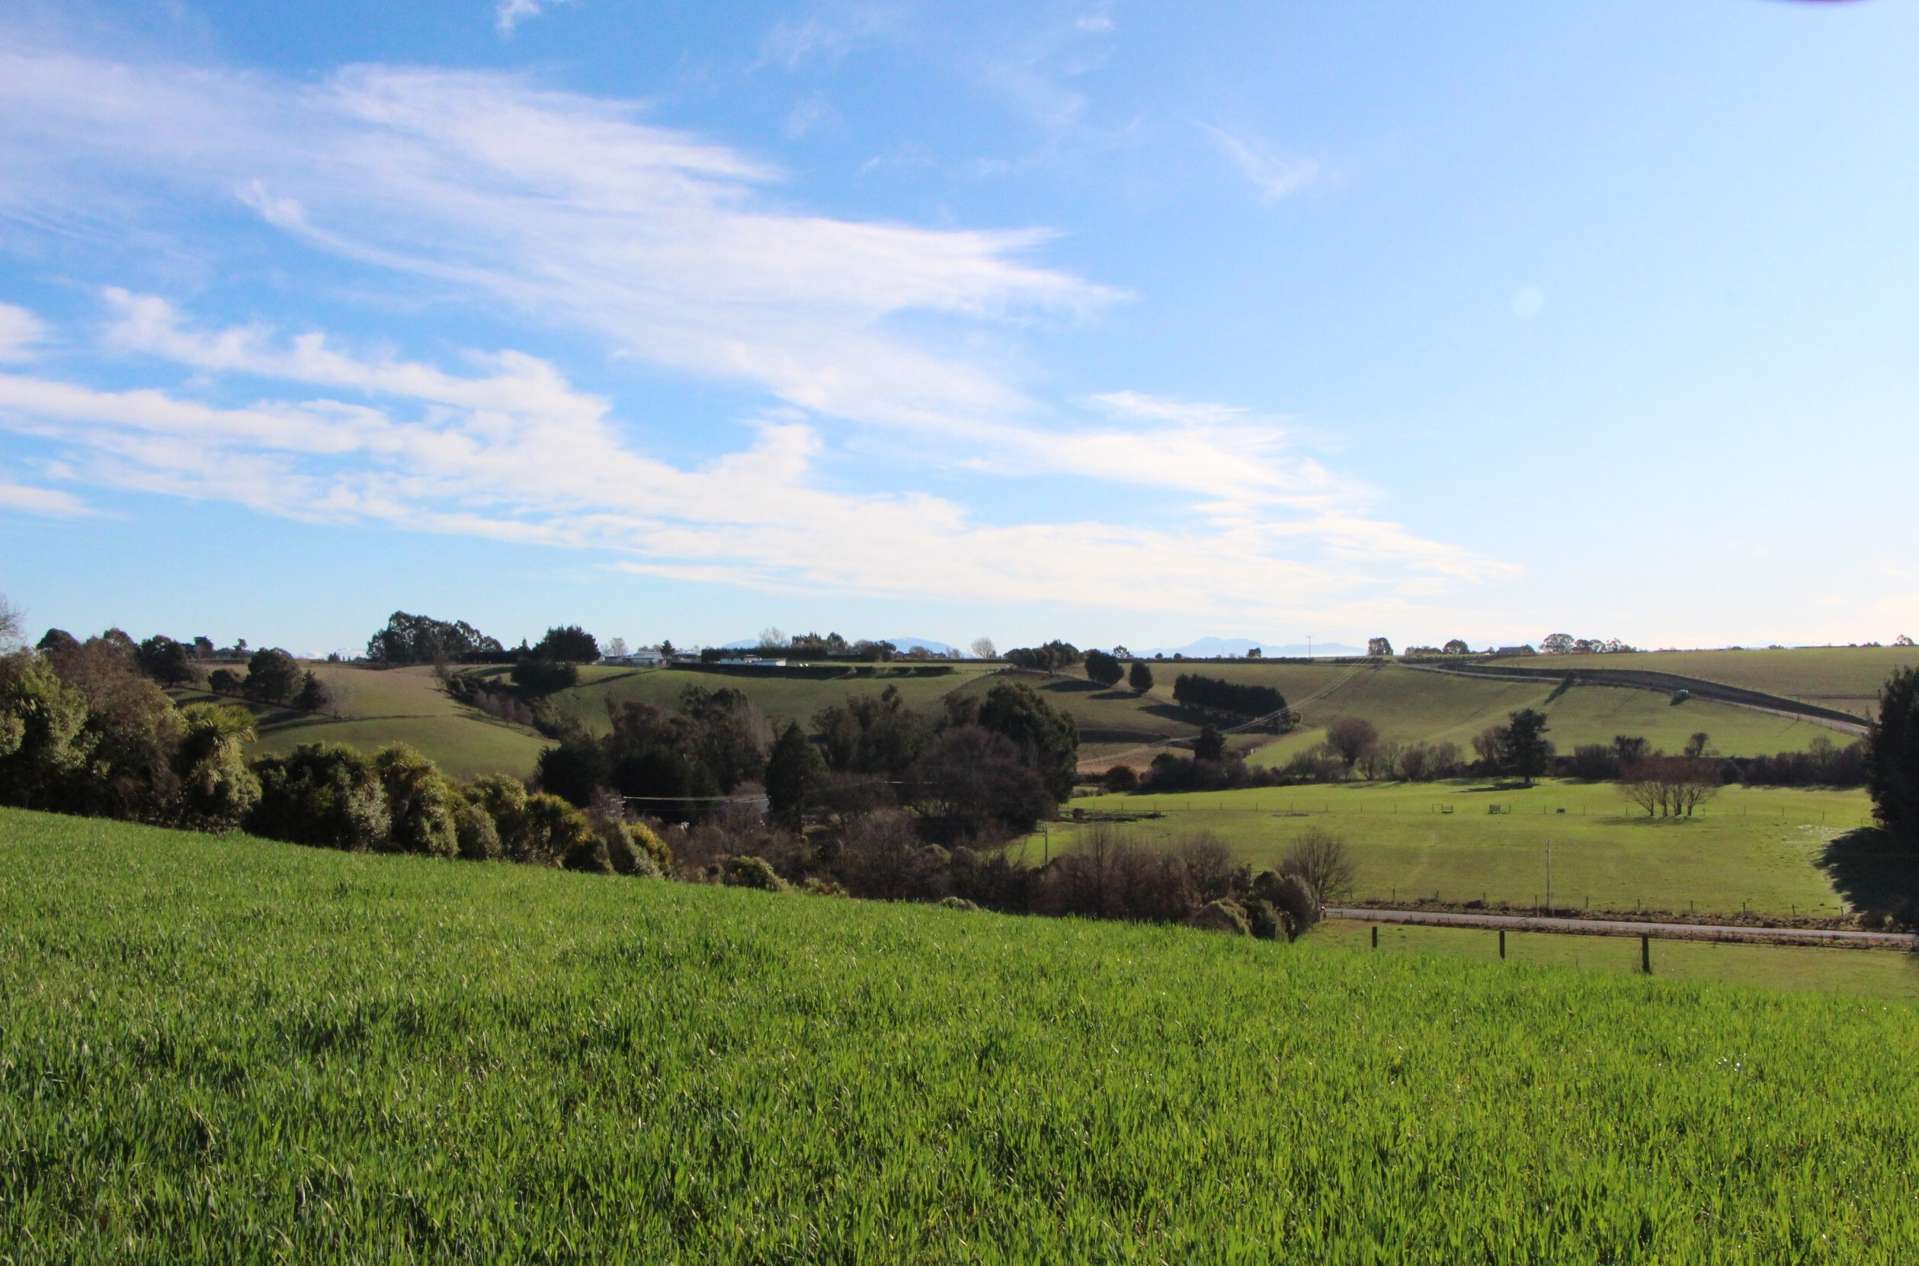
x: 1210, y: 694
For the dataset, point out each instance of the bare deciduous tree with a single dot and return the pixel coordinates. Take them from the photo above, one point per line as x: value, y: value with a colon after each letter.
x: 983, y: 648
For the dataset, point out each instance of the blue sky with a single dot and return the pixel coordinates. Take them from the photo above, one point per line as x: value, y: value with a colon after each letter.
x: 1115, y: 322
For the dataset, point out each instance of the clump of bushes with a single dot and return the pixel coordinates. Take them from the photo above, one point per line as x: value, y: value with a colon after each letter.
x: 1222, y: 915
x: 752, y: 872
x: 324, y: 794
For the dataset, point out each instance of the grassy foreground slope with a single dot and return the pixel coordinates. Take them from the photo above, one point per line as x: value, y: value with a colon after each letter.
x: 217, y: 1050
x: 1749, y: 847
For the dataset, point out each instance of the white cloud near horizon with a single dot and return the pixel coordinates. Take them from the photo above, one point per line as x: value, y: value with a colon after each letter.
x: 513, y: 452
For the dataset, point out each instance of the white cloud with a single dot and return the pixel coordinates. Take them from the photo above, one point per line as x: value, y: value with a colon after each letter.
x: 508, y: 14
x: 46, y: 502
x: 514, y: 452
x: 572, y: 209
x: 827, y: 34
x: 1275, y: 177
x: 20, y: 333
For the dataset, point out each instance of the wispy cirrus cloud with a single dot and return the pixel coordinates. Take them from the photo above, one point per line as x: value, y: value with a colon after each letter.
x: 1275, y: 177
x: 570, y: 208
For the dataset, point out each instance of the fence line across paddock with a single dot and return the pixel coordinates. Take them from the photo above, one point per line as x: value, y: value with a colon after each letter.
x: 1443, y: 809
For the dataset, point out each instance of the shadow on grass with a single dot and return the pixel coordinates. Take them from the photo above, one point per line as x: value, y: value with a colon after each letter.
x: 1874, y: 871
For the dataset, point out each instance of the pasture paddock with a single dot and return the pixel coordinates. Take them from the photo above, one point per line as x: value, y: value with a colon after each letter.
x: 1748, y: 849
x: 227, y: 1049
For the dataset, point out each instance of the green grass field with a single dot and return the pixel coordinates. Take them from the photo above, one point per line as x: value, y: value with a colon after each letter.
x: 1749, y: 847
x: 225, y: 1049
x: 1408, y: 705
x: 396, y: 705
x: 1844, y: 677
x: 1869, y: 973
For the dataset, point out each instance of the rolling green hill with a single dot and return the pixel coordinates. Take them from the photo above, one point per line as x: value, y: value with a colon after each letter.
x: 1843, y: 677
x: 780, y: 696
x: 1407, y: 704
x: 226, y: 1049
x: 377, y: 706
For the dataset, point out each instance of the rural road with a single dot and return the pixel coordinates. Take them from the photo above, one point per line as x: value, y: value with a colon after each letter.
x: 1633, y: 927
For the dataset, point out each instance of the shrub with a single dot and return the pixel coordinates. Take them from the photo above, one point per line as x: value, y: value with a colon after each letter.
x: 504, y: 800
x: 556, y: 831
x: 1220, y: 916
x: 476, y: 834
x: 632, y: 849
x: 1265, y: 920
x: 1324, y: 862
x: 1292, y: 897
x: 956, y: 903
x: 752, y: 872
x: 42, y: 719
x: 419, y: 802
x: 322, y: 793
x: 1120, y: 778
x: 217, y: 788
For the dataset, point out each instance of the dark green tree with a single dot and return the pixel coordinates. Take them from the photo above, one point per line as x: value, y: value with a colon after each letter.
x: 273, y: 676
x: 165, y: 660
x: 1047, y: 740
x: 794, y: 773
x: 421, y: 639
x: 1892, y: 755
x: 1103, y: 668
x: 1522, y: 746
x: 568, y: 643
x: 1141, y: 677
x: 1210, y: 745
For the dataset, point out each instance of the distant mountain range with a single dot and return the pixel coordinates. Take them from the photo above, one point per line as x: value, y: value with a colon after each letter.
x: 1236, y: 648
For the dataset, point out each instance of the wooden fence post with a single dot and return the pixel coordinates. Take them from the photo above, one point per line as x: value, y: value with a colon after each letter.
x: 1375, y: 936
x: 1502, y: 943
x: 1645, y: 954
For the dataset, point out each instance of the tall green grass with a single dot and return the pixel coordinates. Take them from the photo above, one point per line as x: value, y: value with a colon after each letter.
x: 224, y: 1050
